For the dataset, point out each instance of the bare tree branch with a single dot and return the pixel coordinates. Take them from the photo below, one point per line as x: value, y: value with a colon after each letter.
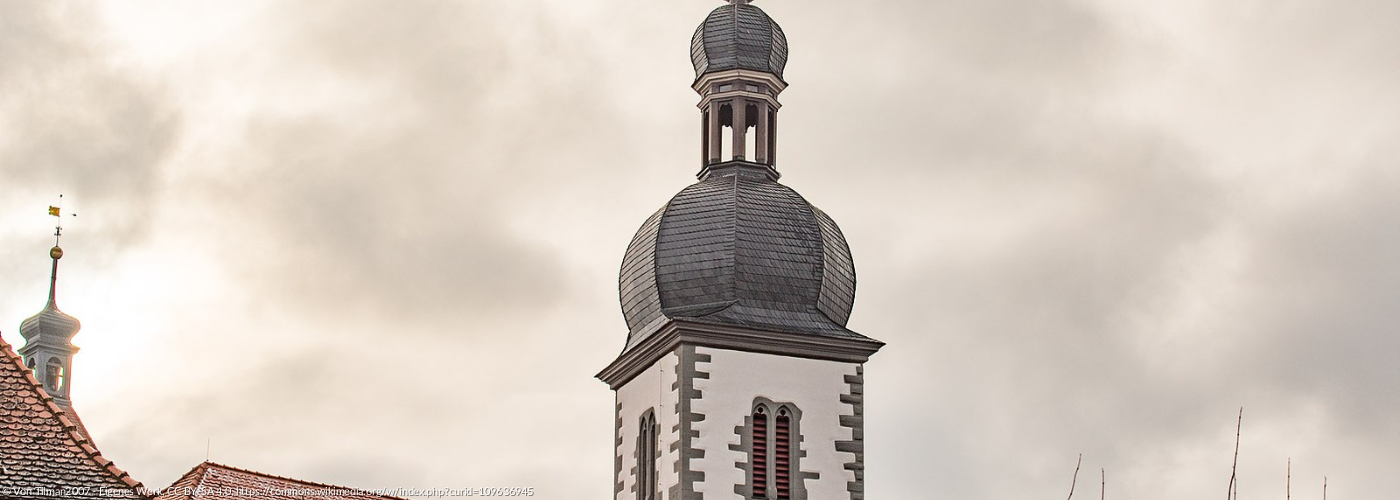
x: 1233, y: 492
x: 1076, y: 475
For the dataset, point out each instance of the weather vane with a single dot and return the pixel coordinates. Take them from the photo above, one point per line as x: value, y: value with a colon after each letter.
x: 57, y: 211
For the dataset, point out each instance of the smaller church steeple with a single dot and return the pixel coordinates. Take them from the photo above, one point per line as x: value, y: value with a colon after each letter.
x: 48, y: 349
x: 739, y: 54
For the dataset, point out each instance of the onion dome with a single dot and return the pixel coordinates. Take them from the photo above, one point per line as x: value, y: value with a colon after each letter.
x: 739, y: 36
x: 50, y: 323
x: 739, y: 248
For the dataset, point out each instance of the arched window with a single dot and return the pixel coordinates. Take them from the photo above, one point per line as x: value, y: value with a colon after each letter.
x: 647, y: 438
x: 774, y: 437
x: 782, y: 454
x: 53, y: 377
x: 760, y: 453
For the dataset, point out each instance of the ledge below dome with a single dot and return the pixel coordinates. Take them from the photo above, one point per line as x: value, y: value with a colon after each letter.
x: 738, y: 166
x: 672, y: 333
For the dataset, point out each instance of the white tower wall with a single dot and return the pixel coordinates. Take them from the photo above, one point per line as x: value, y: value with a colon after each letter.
x: 815, y: 387
x: 652, y: 389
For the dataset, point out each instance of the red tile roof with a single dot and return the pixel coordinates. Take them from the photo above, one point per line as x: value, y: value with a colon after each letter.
x: 211, y: 481
x: 42, y: 453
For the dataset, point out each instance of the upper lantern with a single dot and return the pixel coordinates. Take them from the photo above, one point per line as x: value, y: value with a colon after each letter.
x: 739, y: 36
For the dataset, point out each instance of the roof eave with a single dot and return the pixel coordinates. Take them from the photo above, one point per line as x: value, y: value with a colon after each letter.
x: 677, y: 332
x: 709, y: 77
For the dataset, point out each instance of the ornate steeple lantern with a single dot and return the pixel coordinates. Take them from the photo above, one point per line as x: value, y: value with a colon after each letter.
x: 739, y: 54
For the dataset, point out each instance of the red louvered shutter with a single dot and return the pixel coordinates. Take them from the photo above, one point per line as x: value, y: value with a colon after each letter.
x: 760, y: 454
x: 783, y: 457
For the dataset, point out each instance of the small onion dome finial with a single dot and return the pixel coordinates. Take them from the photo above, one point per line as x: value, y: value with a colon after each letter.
x: 56, y: 252
x: 738, y: 35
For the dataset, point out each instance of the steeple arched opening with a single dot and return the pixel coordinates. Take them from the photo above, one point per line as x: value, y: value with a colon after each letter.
x: 55, y: 377
x: 725, y: 134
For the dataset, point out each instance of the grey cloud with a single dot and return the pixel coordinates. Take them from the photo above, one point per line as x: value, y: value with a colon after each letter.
x: 401, y: 201
x: 1059, y: 267
x: 1323, y: 309
x: 353, y: 223
x: 78, y: 124
x: 1036, y: 338
x: 1011, y: 359
x: 267, y: 414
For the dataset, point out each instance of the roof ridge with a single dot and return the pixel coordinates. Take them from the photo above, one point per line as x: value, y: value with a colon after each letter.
x: 290, y: 479
x: 203, y: 469
x: 200, y: 469
x: 731, y: 290
x: 86, y: 445
x: 816, y: 228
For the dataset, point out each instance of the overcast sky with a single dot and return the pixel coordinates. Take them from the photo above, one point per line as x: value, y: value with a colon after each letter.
x: 376, y: 243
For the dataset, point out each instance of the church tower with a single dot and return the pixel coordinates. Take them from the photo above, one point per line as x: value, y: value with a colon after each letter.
x: 739, y: 378
x: 48, y: 341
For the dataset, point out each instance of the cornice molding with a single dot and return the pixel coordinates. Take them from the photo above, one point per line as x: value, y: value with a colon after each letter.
x: 735, y: 74
x: 675, y: 333
x: 743, y: 94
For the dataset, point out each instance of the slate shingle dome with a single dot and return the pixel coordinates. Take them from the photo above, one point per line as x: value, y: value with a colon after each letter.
x: 739, y: 36
x: 50, y: 322
x: 739, y: 248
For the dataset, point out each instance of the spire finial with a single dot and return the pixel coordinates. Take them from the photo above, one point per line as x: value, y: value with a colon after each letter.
x: 739, y: 2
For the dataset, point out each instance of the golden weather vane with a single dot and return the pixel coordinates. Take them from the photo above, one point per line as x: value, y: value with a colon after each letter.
x: 57, y: 211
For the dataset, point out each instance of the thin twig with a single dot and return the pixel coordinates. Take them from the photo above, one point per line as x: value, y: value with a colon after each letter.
x: 1288, y: 487
x: 1324, y: 487
x: 1076, y: 475
x: 1103, y: 482
x: 1234, y: 488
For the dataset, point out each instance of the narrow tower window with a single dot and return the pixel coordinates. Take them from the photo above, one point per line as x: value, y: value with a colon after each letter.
x: 760, y: 453
x: 642, y: 458
x: 646, y: 457
x: 782, y: 455
x: 652, y: 439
